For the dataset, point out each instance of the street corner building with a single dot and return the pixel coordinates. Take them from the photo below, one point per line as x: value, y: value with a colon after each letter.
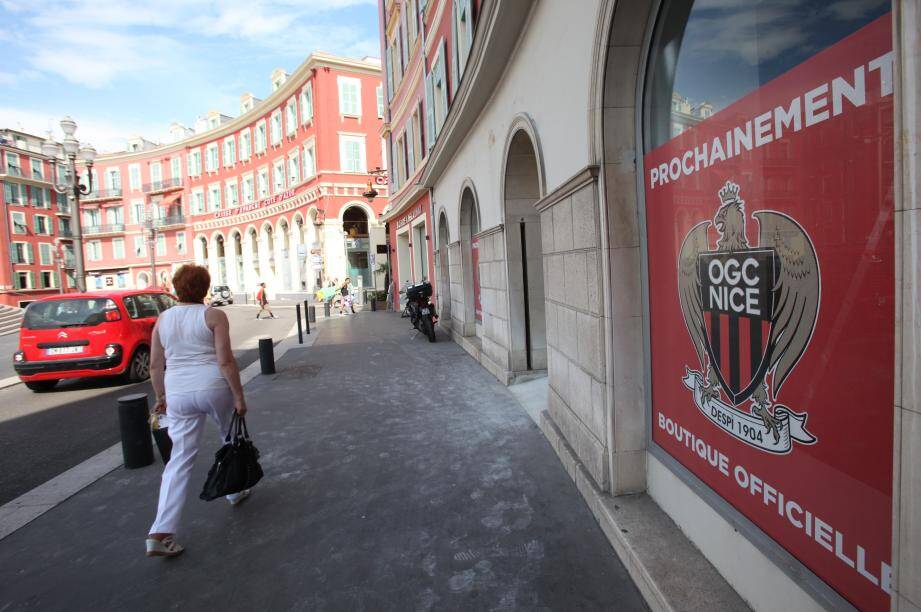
x: 283, y: 194
x: 698, y: 224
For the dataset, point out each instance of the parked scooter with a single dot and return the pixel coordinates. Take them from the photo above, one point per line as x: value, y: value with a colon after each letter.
x: 420, y: 310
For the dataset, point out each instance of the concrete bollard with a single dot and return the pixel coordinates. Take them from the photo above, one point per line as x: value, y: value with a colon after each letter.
x: 312, y: 314
x: 307, y: 309
x: 137, y: 448
x: 267, y: 356
x: 300, y: 331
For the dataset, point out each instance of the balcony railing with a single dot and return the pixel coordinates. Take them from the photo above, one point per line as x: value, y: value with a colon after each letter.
x: 113, y: 193
x: 164, y: 185
x: 65, y: 232
x: 10, y: 170
x: 170, y: 220
x: 110, y: 228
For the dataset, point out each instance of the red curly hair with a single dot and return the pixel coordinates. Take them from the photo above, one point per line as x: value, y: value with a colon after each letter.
x: 191, y: 283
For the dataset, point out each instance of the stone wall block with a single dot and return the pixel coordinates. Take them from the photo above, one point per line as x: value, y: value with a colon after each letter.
x: 627, y: 289
x: 559, y: 374
x: 562, y: 225
x: 619, y: 142
x: 594, y: 284
x: 909, y: 561
x: 629, y: 401
x: 575, y: 279
x: 546, y: 231
x: 620, y: 194
x: 910, y: 323
x: 584, y: 218
x: 590, y: 342
x: 555, y: 286
x: 585, y: 445
x: 629, y: 472
x: 568, y: 332
x: 598, y: 411
x: 552, y: 324
x: 620, y: 72
x: 580, y: 390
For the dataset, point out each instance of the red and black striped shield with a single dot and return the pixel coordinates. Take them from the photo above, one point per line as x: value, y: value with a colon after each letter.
x: 736, y: 291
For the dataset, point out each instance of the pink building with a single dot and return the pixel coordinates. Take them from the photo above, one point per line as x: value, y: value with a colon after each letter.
x: 274, y: 195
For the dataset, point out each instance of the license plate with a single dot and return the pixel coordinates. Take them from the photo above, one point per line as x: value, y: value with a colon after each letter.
x: 64, y: 350
x: 426, y: 311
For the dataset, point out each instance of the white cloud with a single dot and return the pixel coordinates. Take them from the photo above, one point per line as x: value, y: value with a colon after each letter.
x: 104, y: 135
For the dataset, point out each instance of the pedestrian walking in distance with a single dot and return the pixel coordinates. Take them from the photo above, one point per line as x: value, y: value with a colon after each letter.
x: 345, y: 301
x: 263, y: 300
x: 194, y: 376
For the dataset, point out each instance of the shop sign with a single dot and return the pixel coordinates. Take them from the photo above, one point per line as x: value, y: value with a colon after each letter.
x: 408, y: 217
x: 245, y: 208
x: 771, y: 309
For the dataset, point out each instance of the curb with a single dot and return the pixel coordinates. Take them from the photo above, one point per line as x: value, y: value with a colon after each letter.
x: 9, y: 382
x: 16, y: 514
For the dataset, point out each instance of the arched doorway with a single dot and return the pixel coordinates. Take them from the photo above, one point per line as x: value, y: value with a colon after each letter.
x: 237, y: 249
x: 143, y: 280
x: 443, y: 274
x: 254, y: 255
x: 203, y: 251
x: 471, y: 324
x: 270, y: 249
x: 355, y: 226
x: 286, y: 265
x: 221, y: 261
x: 522, y: 189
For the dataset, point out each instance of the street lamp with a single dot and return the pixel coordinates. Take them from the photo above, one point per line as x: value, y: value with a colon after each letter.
x: 70, y: 185
x: 151, y: 227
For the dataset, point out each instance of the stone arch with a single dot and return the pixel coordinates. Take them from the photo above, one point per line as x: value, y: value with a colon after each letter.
x: 267, y: 250
x: 469, y: 224
x: 357, y: 219
x: 443, y: 267
x: 372, y: 217
x: 219, y: 247
x: 285, y: 258
x: 522, y: 187
x: 236, y: 269
x: 143, y: 280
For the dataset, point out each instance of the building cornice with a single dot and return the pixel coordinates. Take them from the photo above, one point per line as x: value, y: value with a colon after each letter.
x: 291, y: 87
x: 500, y: 25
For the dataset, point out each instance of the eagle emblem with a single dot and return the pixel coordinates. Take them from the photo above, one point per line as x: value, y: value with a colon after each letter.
x: 750, y: 311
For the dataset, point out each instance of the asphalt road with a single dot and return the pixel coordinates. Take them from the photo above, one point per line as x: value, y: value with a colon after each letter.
x: 8, y: 344
x: 45, y: 434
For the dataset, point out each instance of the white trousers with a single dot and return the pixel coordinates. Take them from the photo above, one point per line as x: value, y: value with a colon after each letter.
x: 186, y: 413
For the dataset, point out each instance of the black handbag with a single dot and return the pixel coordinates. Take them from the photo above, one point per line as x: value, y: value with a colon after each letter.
x: 236, y: 464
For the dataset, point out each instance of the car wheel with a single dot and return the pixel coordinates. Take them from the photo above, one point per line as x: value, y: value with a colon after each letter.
x: 40, y: 386
x: 139, y: 367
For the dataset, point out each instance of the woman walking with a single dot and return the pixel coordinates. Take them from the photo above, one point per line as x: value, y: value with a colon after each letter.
x: 263, y: 300
x: 346, y: 299
x: 195, y: 376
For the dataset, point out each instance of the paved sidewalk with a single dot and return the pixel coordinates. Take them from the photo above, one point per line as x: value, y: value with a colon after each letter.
x: 399, y: 476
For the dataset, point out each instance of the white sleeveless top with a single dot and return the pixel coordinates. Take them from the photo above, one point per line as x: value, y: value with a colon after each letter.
x: 191, y: 362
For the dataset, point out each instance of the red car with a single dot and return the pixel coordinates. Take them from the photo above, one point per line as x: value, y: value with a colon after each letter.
x: 98, y: 333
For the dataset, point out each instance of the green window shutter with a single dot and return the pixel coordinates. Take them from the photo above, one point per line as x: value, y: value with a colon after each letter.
x: 29, y: 253
x: 32, y: 280
x: 429, y: 113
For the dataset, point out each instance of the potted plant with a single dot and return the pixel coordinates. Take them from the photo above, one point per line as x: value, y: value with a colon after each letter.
x: 378, y: 300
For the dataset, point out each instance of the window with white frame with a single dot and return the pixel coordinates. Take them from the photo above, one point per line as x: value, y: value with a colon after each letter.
x: 22, y: 280
x: 39, y: 198
x: 91, y: 217
x: 246, y: 144
x: 140, y: 246
x: 212, y: 163
x: 440, y: 89
x: 278, y: 176
x: 380, y: 101
x: 115, y: 215
x: 291, y: 117
x: 198, y: 201
x: 230, y: 151
x: 310, y: 160
x: 113, y: 179
x: 307, y: 103
x: 352, y: 153
x: 349, y: 96
x: 37, y: 169
x: 262, y: 182
x: 94, y: 250
x: 43, y: 225
x: 12, y: 164
x: 401, y: 159
x: 46, y: 254
x: 417, y: 137
x: 195, y: 162
x: 175, y: 167
x: 294, y: 169
x: 161, y: 244
x: 118, y: 248
x: 276, y: 127
x: 462, y: 28
x: 156, y: 173
x: 19, y: 222
x: 49, y: 279
x: 134, y: 177
x: 14, y: 193
x: 214, y: 197
x: 230, y: 190
x: 21, y: 253
x: 260, y: 137
x: 249, y: 193
x: 180, y: 243
x: 384, y: 153
x: 137, y: 211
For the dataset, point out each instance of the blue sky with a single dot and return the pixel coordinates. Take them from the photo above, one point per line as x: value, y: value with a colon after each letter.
x: 125, y: 67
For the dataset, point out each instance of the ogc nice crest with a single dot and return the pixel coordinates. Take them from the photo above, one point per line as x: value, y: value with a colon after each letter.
x: 750, y: 311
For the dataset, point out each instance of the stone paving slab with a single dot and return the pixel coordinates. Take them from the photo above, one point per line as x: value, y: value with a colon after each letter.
x: 399, y: 476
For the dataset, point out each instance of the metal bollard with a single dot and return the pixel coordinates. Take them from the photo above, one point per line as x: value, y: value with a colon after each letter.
x: 326, y: 309
x: 311, y: 314
x: 267, y: 356
x: 300, y: 332
x: 307, y: 309
x: 137, y: 448
x: 373, y: 305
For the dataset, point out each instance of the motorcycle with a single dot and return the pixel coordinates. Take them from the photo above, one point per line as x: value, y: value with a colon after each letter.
x: 420, y: 310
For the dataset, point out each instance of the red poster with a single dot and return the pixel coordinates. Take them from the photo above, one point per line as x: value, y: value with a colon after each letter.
x: 475, y: 258
x: 771, y: 300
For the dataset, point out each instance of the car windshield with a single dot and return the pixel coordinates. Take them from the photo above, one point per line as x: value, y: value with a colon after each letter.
x: 66, y: 313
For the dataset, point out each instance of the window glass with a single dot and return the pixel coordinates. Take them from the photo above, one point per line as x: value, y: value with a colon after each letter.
x: 165, y: 301
x: 145, y: 305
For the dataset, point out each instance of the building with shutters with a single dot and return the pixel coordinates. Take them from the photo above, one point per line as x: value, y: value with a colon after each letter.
x: 274, y: 195
x: 693, y: 229
x: 36, y: 250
